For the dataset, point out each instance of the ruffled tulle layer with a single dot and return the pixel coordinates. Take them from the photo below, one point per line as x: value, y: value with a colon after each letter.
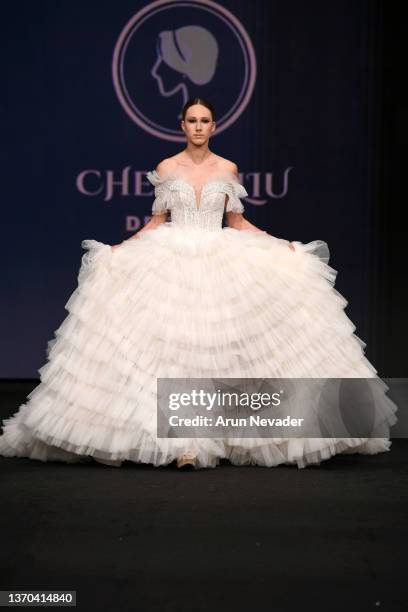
x: 179, y: 302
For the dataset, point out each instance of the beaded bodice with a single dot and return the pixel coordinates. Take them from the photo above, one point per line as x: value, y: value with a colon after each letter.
x: 177, y: 195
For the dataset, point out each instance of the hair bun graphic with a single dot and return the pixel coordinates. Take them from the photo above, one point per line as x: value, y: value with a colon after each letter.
x: 191, y: 50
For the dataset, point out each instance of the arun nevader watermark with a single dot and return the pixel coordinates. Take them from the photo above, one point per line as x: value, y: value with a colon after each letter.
x: 273, y: 408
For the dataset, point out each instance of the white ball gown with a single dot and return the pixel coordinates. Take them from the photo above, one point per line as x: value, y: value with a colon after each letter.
x: 190, y: 298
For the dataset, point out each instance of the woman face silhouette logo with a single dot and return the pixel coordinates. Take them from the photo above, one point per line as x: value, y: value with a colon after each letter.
x: 186, y: 57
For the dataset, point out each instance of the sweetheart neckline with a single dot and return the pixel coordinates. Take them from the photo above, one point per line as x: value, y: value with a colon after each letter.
x: 197, y: 204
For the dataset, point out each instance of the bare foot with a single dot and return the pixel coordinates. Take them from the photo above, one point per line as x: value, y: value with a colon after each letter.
x: 186, y: 462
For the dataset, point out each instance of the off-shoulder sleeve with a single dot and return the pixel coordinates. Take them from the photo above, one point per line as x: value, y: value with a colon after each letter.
x: 162, y: 193
x: 235, y: 192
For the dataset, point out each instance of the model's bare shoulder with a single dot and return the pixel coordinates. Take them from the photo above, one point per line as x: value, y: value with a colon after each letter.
x: 229, y: 166
x: 166, y: 166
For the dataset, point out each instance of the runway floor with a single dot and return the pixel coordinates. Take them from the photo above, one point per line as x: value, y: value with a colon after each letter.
x: 329, y: 537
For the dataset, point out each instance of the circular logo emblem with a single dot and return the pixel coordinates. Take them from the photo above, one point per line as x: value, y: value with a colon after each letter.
x: 173, y: 50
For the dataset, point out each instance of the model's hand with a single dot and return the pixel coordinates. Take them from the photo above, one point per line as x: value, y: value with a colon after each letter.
x: 290, y: 245
x: 115, y: 246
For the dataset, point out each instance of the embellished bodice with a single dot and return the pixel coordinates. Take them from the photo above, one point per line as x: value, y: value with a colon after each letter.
x: 177, y: 195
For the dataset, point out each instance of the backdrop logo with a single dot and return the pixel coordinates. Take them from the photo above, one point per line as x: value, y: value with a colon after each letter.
x: 202, y: 50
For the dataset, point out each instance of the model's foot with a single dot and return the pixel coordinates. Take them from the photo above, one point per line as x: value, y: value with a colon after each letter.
x: 186, y: 462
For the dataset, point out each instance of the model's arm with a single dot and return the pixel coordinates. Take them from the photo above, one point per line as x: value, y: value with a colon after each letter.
x: 237, y: 220
x: 156, y: 219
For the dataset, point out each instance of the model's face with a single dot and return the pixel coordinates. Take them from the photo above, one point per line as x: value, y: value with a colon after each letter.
x: 198, y: 124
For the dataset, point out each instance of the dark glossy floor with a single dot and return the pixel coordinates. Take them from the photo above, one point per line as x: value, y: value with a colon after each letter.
x: 332, y: 537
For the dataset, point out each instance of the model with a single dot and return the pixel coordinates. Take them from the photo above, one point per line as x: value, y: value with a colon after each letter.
x: 189, y: 298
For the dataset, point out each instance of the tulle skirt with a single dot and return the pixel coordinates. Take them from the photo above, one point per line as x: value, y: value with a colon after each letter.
x: 183, y: 302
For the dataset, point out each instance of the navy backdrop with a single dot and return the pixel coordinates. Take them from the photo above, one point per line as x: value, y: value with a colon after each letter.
x: 94, y: 92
